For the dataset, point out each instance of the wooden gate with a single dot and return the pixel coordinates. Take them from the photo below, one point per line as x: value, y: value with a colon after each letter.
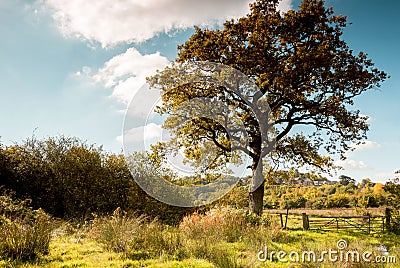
x: 366, y: 224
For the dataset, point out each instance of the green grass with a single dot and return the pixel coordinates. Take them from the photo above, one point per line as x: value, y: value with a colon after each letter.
x: 67, y: 252
x: 222, y: 238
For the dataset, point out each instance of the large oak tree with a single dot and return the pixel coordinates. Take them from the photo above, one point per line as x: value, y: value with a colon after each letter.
x: 304, y: 69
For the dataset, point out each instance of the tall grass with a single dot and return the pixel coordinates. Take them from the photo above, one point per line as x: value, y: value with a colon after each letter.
x: 198, y: 236
x: 136, y: 236
x: 25, y: 238
x: 224, y: 237
x: 117, y: 231
x: 221, y: 224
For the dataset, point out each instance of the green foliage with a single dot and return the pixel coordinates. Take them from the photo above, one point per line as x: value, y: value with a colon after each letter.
x: 215, y: 253
x: 202, y: 240
x: 23, y: 239
x: 198, y: 235
x: 317, y: 203
x: 236, y: 198
x: 393, y: 188
x: 345, y: 180
x: 24, y: 233
x: 291, y: 200
x: 323, y: 197
x: 68, y: 178
x: 305, y: 71
x: 221, y: 224
x: 117, y: 231
x: 337, y: 201
x: 12, y: 208
x: 135, y: 236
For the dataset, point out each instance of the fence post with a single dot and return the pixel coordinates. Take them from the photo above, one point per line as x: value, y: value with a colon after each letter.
x: 369, y: 224
x: 306, y: 223
x: 287, y: 215
x: 383, y: 224
x: 280, y: 215
x: 388, y: 214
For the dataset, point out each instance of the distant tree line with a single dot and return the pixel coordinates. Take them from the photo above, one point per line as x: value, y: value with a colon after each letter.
x: 327, y: 196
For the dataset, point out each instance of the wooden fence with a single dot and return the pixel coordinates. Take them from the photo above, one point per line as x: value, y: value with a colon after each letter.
x: 366, y: 224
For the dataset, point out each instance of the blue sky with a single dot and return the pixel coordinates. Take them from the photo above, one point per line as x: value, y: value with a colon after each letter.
x: 70, y: 67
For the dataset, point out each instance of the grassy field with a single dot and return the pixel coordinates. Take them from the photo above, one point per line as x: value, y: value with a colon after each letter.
x: 67, y: 251
x: 221, y: 238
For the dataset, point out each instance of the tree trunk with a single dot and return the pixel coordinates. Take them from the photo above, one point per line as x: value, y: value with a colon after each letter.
x: 256, y: 195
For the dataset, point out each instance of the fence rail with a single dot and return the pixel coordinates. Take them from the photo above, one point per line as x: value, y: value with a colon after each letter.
x: 366, y: 224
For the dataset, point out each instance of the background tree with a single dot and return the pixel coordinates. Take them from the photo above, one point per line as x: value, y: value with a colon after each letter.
x: 346, y: 180
x: 304, y: 69
x: 365, y: 183
x: 393, y: 187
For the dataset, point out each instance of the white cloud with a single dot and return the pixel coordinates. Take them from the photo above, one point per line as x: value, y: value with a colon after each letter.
x: 141, y: 134
x: 285, y: 5
x: 114, y: 21
x: 366, y: 145
x: 351, y: 164
x: 127, y: 72
x: 385, y: 176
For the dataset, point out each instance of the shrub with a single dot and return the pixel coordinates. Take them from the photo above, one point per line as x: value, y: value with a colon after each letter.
x: 12, y: 208
x: 337, y: 201
x: 236, y: 198
x: 367, y: 200
x: 71, y: 179
x: 25, y: 238
x: 136, y: 237
x: 117, y: 231
x: 221, y: 224
x: 317, y: 203
x: 395, y: 222
x: 24, y: 233
x: 270, y: 202
x: 291, y: 200
x: 158, y: 239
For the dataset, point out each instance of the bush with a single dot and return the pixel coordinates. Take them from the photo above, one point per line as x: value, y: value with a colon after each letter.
x: 237, y: 198
x: 12, y: 208
x: 117, y: 231
x: 136, y: 237
x: 318, y: 203
x: 291, y: 200
x: 25, y: 238
x: 395, y: 222
x: 70, y: 179
x: 221, y: 224
x: 337, y: 201
x: 158, y: 239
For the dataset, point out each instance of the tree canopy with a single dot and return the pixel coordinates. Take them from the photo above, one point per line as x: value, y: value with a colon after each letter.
x: 307, y: 76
